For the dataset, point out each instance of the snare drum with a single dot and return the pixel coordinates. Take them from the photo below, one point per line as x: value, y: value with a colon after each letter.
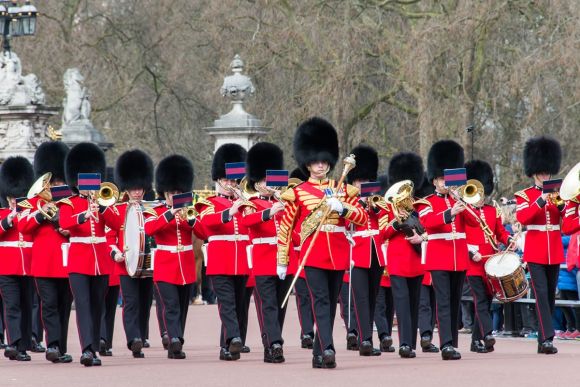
x: 137, y: 260
x: 506, y: 276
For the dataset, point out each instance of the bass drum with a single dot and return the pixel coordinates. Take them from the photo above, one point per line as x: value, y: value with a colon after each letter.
x: 137, y: 259
x: 506, y: 276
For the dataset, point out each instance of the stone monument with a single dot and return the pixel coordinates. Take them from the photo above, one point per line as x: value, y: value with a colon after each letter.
x: 237, y: 126
x: 23, y: 114
x: 76, y: 123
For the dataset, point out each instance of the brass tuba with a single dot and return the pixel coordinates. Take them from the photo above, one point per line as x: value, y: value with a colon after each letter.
x: 41, y: 188
x: 570, y: 188
x: 400, y: 196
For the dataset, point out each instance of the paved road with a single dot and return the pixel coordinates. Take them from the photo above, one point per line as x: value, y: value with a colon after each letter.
x: 514, y: 363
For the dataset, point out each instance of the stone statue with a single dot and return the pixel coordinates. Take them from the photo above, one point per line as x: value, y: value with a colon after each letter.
x: 15, y: 89
x: 238, y: 85
x: 76, y: 104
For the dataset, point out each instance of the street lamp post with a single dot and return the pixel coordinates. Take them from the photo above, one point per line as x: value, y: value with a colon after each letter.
x: 16, y: 20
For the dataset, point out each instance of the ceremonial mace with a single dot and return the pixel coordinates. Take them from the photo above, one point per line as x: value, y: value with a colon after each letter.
x: 349, y: 164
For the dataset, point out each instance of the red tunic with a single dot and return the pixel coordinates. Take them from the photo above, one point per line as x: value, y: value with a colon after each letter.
x: 478, y: 242
x: 446, y: 247
x: 46, y: 250
x: 227, y: 238
x: 174, y: 260
x: 543, y: 243
x: 402, y: 258
x: 88, y: 255
x: 331, y: 249
x: 571, y: 222
x: 15, y: 248
x: 367, y: 238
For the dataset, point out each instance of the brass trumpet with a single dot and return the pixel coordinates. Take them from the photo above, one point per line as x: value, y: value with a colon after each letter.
x: 188, y: 213
x: 377, y: 202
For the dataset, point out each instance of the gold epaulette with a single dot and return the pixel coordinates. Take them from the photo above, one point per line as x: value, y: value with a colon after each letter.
x: 66, y: 201
x: 351, y: 191
x: 24, y: 204
x: 523, y: 195
x: 422, y: 201
x: 151, y: 211
x: 289, y: 195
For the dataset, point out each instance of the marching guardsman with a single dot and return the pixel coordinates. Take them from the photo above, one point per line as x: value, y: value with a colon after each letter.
x: 134, y: 175
x: 427, y: 299
x: 50, y: 274
x: 316, y: 152
x: 446, y: 251
x: 227, y: 262
x: 541, y: 214
x: 303, y: 302
x: 367, y: 255
x: 262, y: 221
x: 16, y: 284
x: 173, y: 231
x: 404, y: 236
x: 480, y: 249
x: 111, y: 303
x: 89, y: 263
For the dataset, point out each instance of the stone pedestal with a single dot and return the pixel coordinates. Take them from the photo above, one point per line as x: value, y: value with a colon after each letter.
x: 83, y: 131
x: 23, y: 129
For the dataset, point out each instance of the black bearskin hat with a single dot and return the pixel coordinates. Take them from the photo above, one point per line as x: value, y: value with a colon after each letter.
x: 134, y: 170
x: 444, y: 154
x: 481, y: 170
x: 406, y: 166
x: 384, y: 181
x: 16, y: 178
x: 367, y: 164
x: 542, y: 154
x: 298, y: 174
x: 49, y: 157
x: 315, y: 140
x: 425, y: 189
x: 261, y: 157
x: 84, y: 157
x: 173, y: 173
x: 227, y: 153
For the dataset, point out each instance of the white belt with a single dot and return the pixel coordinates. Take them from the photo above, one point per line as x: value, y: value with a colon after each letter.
x: 447, y: 236
x: 332, y: 228
x: 15, y: 244
x: 265, y: 241
x: 88, y: 240
x: 543, y: 227
x: 232, y: 238
x: 366, y: 233
x: 174, y: 249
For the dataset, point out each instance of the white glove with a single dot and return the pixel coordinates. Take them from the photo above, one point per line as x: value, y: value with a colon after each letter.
x: 281, y: 271
x: 335, y: 205
x: 119, y: 257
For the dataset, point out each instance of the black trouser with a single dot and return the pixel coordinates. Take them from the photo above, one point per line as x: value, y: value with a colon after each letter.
x: 137, y: 296
x: 482, y: 323
x: 231, y: 297
x: 572, y: 314
x: 159, y: 312
x: 384, y: 312
x: 365, y: 286
x: 544, y: 283
x: 2, y: 325
x: 55, y: 303
x: 324, y: 288
x: 406, y: 296
x: 467, y: 308
x: 17, y: 292
x: 37, y: 332
x: 304, y: 306
x: 175, y: 304
x: 246, y: 314
x: 268, y: 296
x: 427, y: 315
x: 448, y: 286
x: 345, y: 313
x: 89, y: 295
x: 108, y: 315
